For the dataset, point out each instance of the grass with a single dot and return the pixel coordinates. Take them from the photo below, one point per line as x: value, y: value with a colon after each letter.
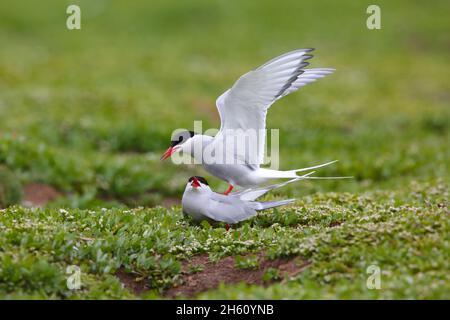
x: 10, y: 188
x: 341, y: 234
x: 89, y: 112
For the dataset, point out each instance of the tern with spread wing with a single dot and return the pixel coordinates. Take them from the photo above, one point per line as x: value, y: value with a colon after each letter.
x: 201, y: 203
x: 243, y: 109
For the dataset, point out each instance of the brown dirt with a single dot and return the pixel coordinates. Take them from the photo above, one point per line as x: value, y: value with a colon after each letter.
x: 222, y: 271
x: 135, y: 285
x: 38, y: 194
x: 170, y: 202
x: 335, y: 224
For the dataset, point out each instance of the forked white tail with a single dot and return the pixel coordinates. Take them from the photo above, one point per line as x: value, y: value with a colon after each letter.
x: 291, y: 174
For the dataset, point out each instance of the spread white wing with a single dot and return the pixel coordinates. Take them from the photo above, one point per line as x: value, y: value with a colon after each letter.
x: 245, y: 105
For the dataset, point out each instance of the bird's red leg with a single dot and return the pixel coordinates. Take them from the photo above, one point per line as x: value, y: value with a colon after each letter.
x: 230, y: 188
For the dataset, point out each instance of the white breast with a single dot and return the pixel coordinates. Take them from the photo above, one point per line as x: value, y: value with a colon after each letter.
x: 194, y: 203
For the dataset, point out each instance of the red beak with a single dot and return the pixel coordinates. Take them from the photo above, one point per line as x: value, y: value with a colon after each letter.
x: 195, y: 183
x: 168, y: 153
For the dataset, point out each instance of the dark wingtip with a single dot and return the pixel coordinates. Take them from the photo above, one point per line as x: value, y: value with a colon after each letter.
x: 302, y: 65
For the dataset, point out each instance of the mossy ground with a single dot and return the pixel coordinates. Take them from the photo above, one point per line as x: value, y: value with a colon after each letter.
x: 404, y: 233
x: 89, y: 113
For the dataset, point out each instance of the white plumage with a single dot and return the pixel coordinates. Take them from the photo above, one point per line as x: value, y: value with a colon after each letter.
x: 201, y: 203
x: 243, y: 108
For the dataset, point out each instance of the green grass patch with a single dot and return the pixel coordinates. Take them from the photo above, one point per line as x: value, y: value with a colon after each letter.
x: 405, y: 234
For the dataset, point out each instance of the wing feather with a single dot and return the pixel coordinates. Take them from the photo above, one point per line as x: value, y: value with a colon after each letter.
x: 244, y: 106
x: 228, y: 209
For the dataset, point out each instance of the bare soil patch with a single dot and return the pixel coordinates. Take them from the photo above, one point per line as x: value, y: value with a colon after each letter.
x: 222, y: 271
x: 335, y: 224
x: 38, y: 194
x: 170, y: 202
x: 132, y: 283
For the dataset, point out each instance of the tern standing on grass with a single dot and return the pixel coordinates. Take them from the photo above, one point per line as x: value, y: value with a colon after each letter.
x: 243, y: 110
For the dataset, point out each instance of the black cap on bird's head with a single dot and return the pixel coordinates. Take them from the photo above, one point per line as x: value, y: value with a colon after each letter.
x: 196, y: 180
x: 177, y: 140
x: 181, y: 137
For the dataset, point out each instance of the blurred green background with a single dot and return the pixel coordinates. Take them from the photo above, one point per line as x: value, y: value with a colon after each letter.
x: 89, y: 112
